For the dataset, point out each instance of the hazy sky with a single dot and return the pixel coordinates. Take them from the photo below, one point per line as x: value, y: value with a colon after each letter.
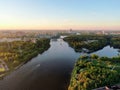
x: 60, y: 14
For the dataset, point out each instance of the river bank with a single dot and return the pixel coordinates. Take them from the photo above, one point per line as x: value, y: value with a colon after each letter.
x: 22, y: 55
x: 92, y: 43
x: 50, y: 70
x: 91, y: 71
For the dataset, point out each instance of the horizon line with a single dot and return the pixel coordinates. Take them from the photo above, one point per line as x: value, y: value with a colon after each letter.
x: 60, y: 29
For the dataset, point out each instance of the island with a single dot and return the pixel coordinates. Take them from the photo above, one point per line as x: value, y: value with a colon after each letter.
x: 91, y: 72
x: 92, y: 43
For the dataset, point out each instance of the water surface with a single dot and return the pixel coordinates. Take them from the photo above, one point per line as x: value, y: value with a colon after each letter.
x: 48, y: 71
x: 107, y: 51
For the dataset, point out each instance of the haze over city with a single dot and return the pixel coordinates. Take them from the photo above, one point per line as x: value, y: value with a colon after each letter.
x: 59, y: 14
x: 59, y: 44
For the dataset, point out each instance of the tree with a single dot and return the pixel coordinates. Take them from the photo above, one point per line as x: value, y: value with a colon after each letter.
x: 94, y: 56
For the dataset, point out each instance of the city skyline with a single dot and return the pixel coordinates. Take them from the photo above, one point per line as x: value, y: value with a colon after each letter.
x: 59, y: 14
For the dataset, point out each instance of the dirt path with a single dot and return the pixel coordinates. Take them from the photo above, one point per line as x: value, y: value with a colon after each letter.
x: 3, y: 65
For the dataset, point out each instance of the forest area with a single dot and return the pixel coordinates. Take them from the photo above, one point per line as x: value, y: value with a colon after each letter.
x: 92, y: 42
x: 12, y: 54
x: 94, y: 72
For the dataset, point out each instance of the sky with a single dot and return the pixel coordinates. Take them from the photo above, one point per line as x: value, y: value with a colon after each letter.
x: 59, y: 14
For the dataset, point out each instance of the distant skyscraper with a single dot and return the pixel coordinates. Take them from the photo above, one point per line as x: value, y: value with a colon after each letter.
x: 70, y: 31
x: 103, y: 32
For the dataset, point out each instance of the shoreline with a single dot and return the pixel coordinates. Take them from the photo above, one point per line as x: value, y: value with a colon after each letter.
x: 34, y: 54
x: 17, y: 67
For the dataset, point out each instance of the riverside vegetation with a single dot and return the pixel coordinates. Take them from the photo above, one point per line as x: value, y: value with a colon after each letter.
x: 92, y: 42
x: 91, y: 72
x: 17, y: 52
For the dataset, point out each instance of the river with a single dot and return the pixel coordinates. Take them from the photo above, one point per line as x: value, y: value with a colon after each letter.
x: 48, y: 71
